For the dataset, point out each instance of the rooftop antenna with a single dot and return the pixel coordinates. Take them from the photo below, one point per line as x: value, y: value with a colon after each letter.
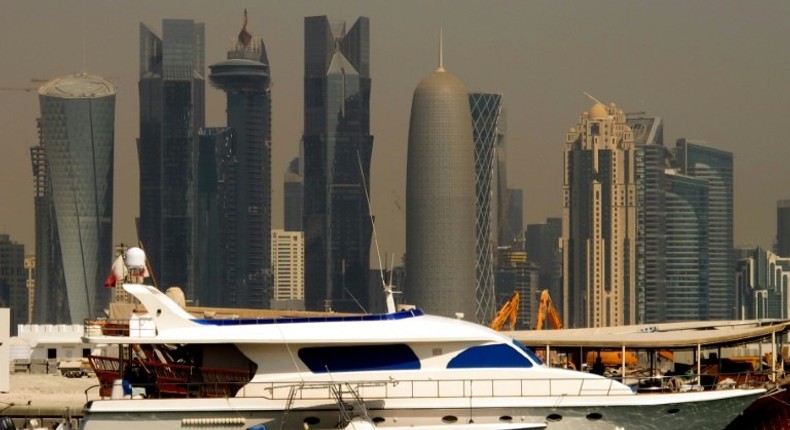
x: 591, y: 97
x: 84, y: 55
x: 441, y: 53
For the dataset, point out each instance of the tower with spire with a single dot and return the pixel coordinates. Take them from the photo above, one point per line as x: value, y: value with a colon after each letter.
x: 336, y: 151
x: 599, y: 220
x: 243, y: 175
x: 440, y: 197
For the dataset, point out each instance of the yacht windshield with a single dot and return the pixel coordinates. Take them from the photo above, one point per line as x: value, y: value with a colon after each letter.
x: 529, y: 352
x: 498, y: 355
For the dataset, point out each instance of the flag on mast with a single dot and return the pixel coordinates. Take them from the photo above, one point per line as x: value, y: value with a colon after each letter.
x: 117, y: 272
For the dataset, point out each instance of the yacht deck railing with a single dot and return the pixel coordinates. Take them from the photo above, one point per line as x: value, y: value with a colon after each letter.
x: 456, y: 388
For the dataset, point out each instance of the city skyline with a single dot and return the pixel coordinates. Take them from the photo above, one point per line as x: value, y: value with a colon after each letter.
x: 713, y: 73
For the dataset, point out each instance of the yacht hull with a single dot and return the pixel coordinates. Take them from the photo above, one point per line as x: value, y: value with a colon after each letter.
x: 700, y: 411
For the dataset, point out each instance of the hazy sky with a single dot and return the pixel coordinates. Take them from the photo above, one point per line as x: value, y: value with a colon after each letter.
x: 718, y: 71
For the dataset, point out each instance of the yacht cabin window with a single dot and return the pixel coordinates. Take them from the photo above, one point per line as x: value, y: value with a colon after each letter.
x: 358, y: 358
x: 499, y: 355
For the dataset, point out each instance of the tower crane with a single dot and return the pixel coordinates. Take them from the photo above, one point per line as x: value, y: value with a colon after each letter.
x: 25, y: 89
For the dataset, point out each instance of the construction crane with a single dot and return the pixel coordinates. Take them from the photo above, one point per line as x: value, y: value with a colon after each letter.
x: 508, y: 313
x: 546, y: 310
x: 25, y: 89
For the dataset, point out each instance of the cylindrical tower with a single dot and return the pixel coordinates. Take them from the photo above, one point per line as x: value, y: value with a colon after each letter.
x: 77, y: 127
x: 440, y: 199
x: 245, y: 226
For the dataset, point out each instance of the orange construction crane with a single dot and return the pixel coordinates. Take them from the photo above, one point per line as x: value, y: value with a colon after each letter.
x: 507, y: 314
x: 547, y: 309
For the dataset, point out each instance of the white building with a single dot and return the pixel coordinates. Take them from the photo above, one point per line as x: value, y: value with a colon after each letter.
x: 288, y: 269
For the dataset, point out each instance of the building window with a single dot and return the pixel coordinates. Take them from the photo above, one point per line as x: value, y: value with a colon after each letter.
x: 52, y: 353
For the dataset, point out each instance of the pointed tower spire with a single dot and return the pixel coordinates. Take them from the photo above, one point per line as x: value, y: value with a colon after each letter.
x: 441, y: 52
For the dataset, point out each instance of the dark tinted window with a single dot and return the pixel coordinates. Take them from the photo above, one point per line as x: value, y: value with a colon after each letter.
x: 355, y: 358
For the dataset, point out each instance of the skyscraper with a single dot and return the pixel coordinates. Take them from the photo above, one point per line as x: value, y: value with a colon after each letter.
x: 541, y: 241
x: 684, y: 293
x: 292, y: 196
x: 30, y: 286
x: 783, y: 228
x: 51, y: 303
x: 511, y: 226
x: 516, y: 274
x: 172, y: 110
x: 245, y: 78
x: 337, y: 148
x: 216, y: 187
x: 508, y: 202
x: 13, y: 293
x: 288, y: 269
x: 77, y: 128
x: 716, y: 168
x: 485, y: 110
x: 599, y: 221
x: 651, y: 158
x: 440, y: 198
x: 761, y: 281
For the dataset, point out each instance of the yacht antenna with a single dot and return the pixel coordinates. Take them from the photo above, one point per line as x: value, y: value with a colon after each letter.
x: 387, y: 287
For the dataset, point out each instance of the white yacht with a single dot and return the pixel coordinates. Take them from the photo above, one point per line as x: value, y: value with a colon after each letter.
x: 389, y: 371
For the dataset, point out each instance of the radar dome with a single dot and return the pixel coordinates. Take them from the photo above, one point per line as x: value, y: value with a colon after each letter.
x: 135, y: 258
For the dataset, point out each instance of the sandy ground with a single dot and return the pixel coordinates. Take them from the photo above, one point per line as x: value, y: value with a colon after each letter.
x: 49, y: 391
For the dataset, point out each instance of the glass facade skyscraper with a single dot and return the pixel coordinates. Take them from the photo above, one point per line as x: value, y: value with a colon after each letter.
x: 246, y: 236
x: 716, y: 168
x: 337, y: 148
x: 650, y: 161
x: 292, y: 196
x: 783, y: 228
x: 762, y: 279
x: 485, y: 109
x: 684, y: 295
x: 216, y: 184
x: 516, y: 274
x: 541, y: 241
x: 511, y: 226
x: 172, y: 111
x: 13, y: 292
x: 77, y: 129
